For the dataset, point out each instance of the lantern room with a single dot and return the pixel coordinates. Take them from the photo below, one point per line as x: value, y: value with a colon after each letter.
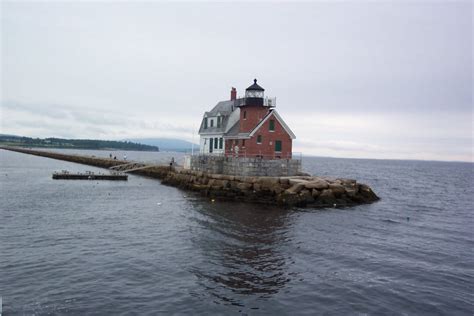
x: 254, y: 94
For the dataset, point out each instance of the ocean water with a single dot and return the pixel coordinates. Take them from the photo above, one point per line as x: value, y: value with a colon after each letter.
x: 142, y: 248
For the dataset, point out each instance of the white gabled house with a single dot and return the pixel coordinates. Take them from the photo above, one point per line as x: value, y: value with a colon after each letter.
x: 215, y: 124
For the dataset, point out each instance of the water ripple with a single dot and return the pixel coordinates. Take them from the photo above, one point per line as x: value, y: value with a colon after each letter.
x: 143, y: 248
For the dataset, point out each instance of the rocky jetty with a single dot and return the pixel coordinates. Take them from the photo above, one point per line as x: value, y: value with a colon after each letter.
x: 286, y: 191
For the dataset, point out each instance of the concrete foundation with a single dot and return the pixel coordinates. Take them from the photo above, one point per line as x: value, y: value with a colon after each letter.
x: 251, y: 167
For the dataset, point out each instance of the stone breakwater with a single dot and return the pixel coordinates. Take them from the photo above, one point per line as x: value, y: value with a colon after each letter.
x: 285, y: 191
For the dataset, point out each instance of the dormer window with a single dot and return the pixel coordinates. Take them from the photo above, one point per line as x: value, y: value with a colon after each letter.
x: 212, y: 123
x: 205, y: 123
x: 219, y: 121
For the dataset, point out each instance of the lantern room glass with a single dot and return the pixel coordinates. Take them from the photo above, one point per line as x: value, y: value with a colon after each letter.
x: 253, y: 94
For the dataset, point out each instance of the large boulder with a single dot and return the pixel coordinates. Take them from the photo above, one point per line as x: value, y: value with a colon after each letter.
x: 277, y: 189
x: 297, y: 181
x: 198, y: 187
x: 218, y: 184
x: 249, y: 179
x: 352, y: 192
x: 315, y: 193
x: 287, y: 198
x: 367, y: 193
x: 317, y: 184
x: 295, y: 188
x: 328, y: 179
x: 243, y: 186
x: 268, y: 183
x: 305, y: 197
x: 348, y: 182
x: 337, y: 189
x: 327, y: 196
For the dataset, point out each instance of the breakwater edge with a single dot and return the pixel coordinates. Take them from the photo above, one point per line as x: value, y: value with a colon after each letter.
x: 299, y: 191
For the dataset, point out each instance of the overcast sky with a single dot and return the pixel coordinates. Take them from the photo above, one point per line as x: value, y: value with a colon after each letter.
x: 390, y: 79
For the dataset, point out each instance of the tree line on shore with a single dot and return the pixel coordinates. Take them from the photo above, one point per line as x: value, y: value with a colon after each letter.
x: 52, y: 142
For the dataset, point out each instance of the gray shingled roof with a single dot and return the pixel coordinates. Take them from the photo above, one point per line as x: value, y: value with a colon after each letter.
x: 224, y: 108
x: 234, y: 130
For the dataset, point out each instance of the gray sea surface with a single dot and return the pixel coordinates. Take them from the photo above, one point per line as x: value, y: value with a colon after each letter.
x: 142, y: 248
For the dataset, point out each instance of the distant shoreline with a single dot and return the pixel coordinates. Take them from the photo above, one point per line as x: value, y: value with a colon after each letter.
x: 29, y: 146
x: 62, y: 143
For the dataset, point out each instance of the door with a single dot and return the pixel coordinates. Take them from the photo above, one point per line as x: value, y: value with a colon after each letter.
x: 278, y: 146
x: 211, y: 144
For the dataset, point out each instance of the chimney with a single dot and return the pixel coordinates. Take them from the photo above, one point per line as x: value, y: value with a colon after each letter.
x: 233, y: 94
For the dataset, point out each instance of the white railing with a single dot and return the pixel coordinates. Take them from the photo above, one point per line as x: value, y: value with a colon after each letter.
x: 270, y: 102
x: 267, y: 101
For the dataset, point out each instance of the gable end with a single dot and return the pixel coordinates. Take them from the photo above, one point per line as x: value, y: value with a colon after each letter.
x: 279, y: 119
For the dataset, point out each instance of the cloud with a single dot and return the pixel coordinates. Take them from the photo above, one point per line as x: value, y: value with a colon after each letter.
x: 361, y: 79
x: 386, y: 136
x: 318, y: 133
x: 46, y: 120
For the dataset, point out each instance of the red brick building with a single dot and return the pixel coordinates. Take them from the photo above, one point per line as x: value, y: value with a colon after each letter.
x: 246, y: 127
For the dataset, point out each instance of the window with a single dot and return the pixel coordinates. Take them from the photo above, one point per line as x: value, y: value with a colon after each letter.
x: 272, y: 126
x: 253, y: 94
x: 219, y: 121
x: 243, y: 142
x: 220, y: 143
x: 212, y: 122
x: 245, y: 115
x: 215, y: 143
x: 259, y: 139
x: 278, y: 145
x: 205, y: 122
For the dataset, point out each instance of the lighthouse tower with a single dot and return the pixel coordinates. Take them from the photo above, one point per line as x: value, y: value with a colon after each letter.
x: 253, y: 108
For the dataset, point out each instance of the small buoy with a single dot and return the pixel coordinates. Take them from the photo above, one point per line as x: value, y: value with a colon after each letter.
x: 158, y: 203
x: 334, y: 204
x: 212, y: 200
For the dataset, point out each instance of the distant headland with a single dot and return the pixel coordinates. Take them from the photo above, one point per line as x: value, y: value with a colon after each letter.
x: 21, y: 141
x: 137, y: 144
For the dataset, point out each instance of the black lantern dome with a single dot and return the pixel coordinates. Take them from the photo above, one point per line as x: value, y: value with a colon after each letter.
x: 254, y: 94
